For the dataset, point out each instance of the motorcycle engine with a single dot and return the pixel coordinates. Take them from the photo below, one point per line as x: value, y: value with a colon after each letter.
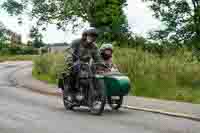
x: 79, y: 95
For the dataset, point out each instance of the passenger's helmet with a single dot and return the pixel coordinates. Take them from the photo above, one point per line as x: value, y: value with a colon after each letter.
x: 105, y: 54
x: 107, y: 46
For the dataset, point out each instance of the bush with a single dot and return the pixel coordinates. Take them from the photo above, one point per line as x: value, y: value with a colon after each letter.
x: 29, y: 50
x: 173, y: 77
x: 16, y: 50
x: 5, y: 51
x: 167, y: 77
x: 43, y: 50
x: 2, y: 45
x: 16, y: 57
x: 49, y: 64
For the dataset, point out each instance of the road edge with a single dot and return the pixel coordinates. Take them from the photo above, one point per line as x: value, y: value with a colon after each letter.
x: 14, y: 82
x: 162, y: 112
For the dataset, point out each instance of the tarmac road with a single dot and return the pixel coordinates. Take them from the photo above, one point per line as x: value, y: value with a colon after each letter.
x: 23, y: 111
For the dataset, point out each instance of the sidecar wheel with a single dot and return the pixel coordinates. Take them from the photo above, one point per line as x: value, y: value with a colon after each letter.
x: 115, y: 104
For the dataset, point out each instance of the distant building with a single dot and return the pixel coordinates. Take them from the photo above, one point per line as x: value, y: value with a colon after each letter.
x: 57, y: 47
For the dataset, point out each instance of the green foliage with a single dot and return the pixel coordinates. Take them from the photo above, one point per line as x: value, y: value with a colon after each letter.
x: 29, y: 50
x: 49, y: 64
x: 2, y: 45
x: 16, y: 57
x: 172, y: 77
x: 13, y: 7
x: 180, y: 18
x: 17, y: 50
x: 2, y: 34
x: 9, y: 49
x: 34, y: 33
x: 37, y: 38
x: 43, y: 77
x: 38, y: 43
x: 43, y: 50
x: 14, y: 50
x: 160, y: 49
x: 4, y: 51
x: 42, y: 64
x: 106, y: 15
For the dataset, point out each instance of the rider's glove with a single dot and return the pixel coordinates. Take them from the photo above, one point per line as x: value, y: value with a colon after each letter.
x: 76, y: 67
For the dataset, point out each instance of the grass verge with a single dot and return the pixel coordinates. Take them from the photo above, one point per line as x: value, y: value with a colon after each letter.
x: 172, y: 77
x: 16, y: 57
x: 43, y: 77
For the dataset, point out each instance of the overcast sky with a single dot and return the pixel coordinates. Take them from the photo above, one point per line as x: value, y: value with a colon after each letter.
x: 139, y: 17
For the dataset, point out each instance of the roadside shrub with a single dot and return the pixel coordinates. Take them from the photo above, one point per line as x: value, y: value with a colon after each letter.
x: 17, y: 50
x: 169, y: 77
x: 5, y: 51
x: 49, y: 64
x: 42, y: 64
x: 173, y: 77
x: 13, y: 50
x: 17, y: 57
x: 29, y: 50
x: 43, y: 50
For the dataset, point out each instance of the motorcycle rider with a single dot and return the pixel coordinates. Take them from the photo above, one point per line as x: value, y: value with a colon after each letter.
x: 82, y: 50
x: 68, y: 60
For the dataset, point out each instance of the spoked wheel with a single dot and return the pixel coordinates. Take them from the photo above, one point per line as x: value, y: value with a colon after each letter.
x: 67, y: 97
x: 98, y: 100
x: 115, y: 102
x: 97, y: 105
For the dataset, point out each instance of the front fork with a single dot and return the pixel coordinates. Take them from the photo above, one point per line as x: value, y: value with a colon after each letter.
x: 91, y: 92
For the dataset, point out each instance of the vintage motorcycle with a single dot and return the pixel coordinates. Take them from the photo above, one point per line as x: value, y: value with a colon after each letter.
x: 95, y: 88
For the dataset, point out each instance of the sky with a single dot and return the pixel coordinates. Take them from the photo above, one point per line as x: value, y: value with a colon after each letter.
x: 139, y: 18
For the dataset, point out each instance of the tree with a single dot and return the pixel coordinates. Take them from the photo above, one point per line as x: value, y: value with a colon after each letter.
x: 2, y: 32
x: 196, y: 16
x: 106, y: 15
x: 181, y: 19
x: 36, y: 37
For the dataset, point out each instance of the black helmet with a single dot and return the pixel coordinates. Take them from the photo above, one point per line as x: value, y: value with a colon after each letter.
x: 92, y: 31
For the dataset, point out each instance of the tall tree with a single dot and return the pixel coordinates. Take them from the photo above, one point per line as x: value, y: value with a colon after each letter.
x: 107, y: 15
x: 36, y: 37
x: 181, y: 19
x: 2, y: 32
x: 196, y: 16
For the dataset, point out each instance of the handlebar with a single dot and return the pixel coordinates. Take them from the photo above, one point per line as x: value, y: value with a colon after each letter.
x: 90, y: 64
x: 83, y: 63
x: 97, y: 67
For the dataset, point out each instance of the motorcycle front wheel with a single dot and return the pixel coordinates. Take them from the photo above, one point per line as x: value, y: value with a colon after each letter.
x: 98, y: 104
x: 98, y: 100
